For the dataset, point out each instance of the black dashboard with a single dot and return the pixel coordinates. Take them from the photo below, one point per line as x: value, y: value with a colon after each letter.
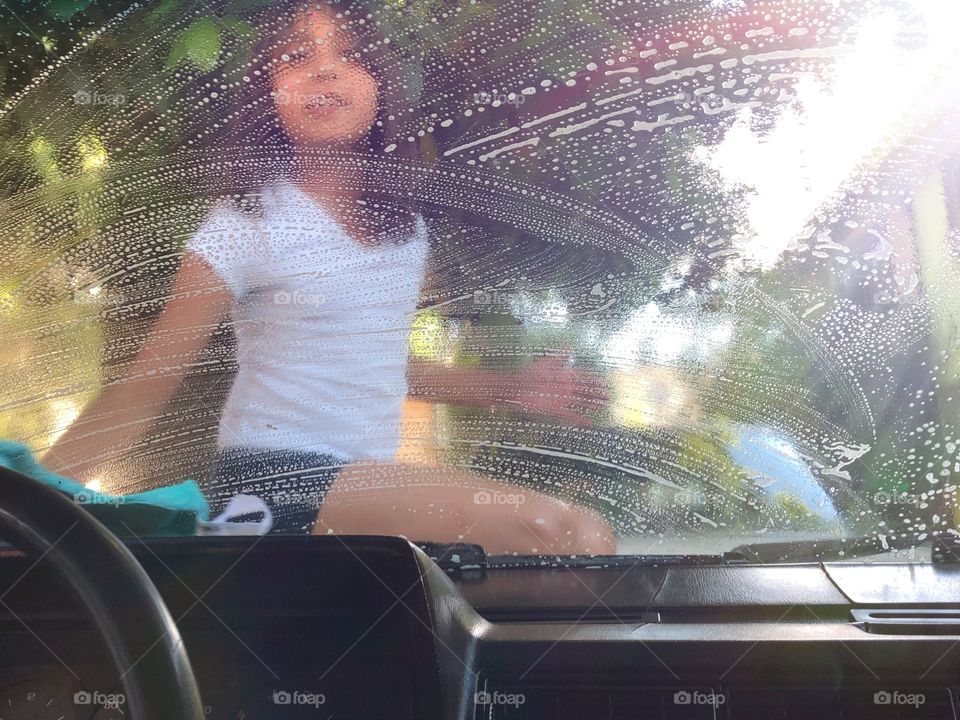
x: 364, y: 627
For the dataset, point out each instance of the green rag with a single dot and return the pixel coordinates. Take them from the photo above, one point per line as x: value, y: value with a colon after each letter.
x: 163, y: 511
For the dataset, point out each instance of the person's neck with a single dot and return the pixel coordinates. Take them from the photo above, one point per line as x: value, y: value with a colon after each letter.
x: 334, y: 186
x: 325, y: 179
x: 328, y: 184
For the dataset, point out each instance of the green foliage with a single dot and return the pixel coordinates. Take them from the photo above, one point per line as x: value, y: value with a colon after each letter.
x: 198, y: 44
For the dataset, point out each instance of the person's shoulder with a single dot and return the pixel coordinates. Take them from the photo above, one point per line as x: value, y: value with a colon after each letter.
x: 228, y: 241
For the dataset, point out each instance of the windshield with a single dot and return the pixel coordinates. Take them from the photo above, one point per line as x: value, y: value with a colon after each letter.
x: 552, y: 277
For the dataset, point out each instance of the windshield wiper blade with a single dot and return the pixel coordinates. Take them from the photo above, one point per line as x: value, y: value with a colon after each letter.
x: 506, y: 562
x: 466, y: 557
x: 842, y: 548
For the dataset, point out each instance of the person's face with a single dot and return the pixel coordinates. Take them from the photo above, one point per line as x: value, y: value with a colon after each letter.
x: 323, y: 95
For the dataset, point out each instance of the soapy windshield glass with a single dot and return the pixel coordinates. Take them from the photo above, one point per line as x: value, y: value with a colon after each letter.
x: 553, y: 277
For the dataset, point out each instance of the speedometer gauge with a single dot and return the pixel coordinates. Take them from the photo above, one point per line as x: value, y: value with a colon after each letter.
x: 34, y: 700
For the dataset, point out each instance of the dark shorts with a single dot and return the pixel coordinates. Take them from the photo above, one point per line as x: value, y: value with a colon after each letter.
x: 292, y: 483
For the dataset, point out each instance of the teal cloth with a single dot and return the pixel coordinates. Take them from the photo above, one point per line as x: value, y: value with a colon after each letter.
x: 170, y: 510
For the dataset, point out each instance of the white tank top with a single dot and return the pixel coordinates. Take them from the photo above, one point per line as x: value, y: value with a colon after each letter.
x: 322, y: 325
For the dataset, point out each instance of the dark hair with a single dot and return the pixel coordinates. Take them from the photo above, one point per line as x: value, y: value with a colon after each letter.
x: 253, y: 124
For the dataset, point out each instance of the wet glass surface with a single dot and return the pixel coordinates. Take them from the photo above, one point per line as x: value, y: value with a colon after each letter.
x: 550, y: 276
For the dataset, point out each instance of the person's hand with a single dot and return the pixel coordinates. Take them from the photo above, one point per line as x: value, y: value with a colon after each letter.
x: 551, y: 386
x: 444, y: 505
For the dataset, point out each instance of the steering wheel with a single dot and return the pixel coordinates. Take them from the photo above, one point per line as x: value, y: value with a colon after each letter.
x: 123, y: 602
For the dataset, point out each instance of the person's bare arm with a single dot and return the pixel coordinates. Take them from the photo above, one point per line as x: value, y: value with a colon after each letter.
x: 121, y: 414
x: 438, y: 383
x: 549, y: 386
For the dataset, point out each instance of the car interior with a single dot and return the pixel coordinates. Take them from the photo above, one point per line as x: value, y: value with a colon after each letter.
x: 378, y: 628
x: 475, y: 360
